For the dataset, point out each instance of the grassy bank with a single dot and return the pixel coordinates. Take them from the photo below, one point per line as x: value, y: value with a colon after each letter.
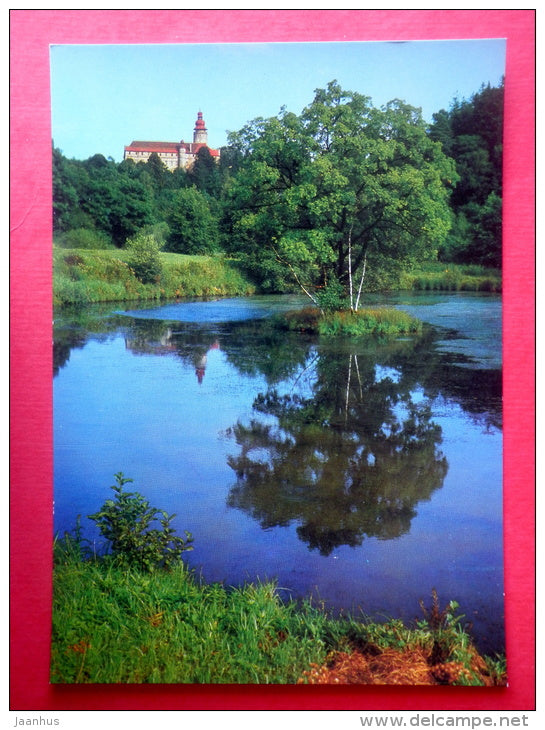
x: 113, y: 624
x: 378, y: 321
x: 87, y: 276
x: 436, y: 276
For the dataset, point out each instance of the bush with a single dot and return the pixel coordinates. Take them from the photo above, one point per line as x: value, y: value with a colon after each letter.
x: 145, y: 260
x: 126, y: 522
x: 332, y: 297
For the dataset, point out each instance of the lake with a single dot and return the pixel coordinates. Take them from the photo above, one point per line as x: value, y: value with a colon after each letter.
x: 361, y: 472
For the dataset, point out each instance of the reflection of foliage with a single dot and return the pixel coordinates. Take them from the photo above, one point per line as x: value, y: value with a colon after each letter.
x: 63, y: 344
x: 74, y: 326
x: 260, y: 348
x: 352, y: 460
x: 255, y: 348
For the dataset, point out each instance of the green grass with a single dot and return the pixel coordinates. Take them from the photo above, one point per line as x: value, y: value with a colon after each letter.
x: 83, y: 275
x: 89, y: 276
x: 378, y: 321
x: 113, y: 624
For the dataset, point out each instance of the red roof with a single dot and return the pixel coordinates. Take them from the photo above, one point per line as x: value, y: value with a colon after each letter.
x: 190, y: 147
x: 153, y: 145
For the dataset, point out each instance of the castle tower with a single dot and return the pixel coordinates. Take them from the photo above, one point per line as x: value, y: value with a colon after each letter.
x: 200, y: 134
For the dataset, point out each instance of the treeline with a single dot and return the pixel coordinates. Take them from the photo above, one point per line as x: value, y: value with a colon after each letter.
x: 471, y: 133
x: 99, y: 204
x: 323, y: 199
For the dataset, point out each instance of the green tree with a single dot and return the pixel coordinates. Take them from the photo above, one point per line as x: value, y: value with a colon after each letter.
x: 70, y: 189
x: 158, y: 171
x: 118, y: 205
x: 65, y: 196
x: 98, y: 195
x: 205, y: 174
x: 344, y: 192
x: 193, y: 224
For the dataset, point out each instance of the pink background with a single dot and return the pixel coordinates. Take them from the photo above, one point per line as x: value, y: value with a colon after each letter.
x: 31, y: 359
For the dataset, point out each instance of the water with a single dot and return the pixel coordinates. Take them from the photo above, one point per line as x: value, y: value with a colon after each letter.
x: 360, y: 472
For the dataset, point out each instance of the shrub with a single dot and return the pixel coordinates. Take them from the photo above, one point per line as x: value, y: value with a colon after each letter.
x: 126, y: 522
x: 332, y: 297
x: 144, y: 258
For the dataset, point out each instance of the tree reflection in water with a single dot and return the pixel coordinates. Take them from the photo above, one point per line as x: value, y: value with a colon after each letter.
x: 342, y: 442
x: 351, y: 457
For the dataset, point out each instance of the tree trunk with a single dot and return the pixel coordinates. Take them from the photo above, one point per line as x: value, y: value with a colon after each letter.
x: 350, y: 270
x: 361, y: 281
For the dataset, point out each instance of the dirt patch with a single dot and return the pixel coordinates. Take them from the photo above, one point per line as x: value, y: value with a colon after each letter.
x: 395, y: 666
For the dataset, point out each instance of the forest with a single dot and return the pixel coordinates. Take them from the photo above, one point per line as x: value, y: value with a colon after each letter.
x: 340, y: 198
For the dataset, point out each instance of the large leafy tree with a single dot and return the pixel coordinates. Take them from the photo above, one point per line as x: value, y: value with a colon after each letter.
x: 341, y: 194
x: 193, y: 224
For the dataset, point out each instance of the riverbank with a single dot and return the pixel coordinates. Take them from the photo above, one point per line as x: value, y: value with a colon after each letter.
x: 83, y: 276
x: 89, y: 276
x: 117, y: 625
x: 438, y: 276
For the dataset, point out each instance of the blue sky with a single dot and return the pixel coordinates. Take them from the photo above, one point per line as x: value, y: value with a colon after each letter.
x: 105, y: 96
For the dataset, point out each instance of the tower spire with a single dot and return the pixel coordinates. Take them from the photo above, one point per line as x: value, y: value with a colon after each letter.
x: 200, y: 133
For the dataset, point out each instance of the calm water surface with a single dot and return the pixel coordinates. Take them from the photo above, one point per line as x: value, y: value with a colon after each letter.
x: 361, y: 472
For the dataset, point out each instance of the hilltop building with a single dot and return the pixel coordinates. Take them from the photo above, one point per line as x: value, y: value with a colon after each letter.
x: 173, y: 154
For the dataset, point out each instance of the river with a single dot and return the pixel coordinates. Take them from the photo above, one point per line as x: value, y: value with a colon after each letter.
x: 362, y: 473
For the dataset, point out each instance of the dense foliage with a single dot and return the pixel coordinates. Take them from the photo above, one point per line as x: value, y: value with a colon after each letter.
x: 342, y: 192
x: 471, y: 133
x: 341, y: 197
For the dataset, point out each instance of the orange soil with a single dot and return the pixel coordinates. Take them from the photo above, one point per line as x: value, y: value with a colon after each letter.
x: 393, y: 666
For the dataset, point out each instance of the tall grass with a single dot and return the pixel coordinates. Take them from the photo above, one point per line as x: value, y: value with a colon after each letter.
x: 377, y: 321
x: 113, y: 625
x: 89, y: 276
x: 84, y: 275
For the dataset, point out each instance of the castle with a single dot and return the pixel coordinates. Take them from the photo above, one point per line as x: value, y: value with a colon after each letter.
x: 173, y: 154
